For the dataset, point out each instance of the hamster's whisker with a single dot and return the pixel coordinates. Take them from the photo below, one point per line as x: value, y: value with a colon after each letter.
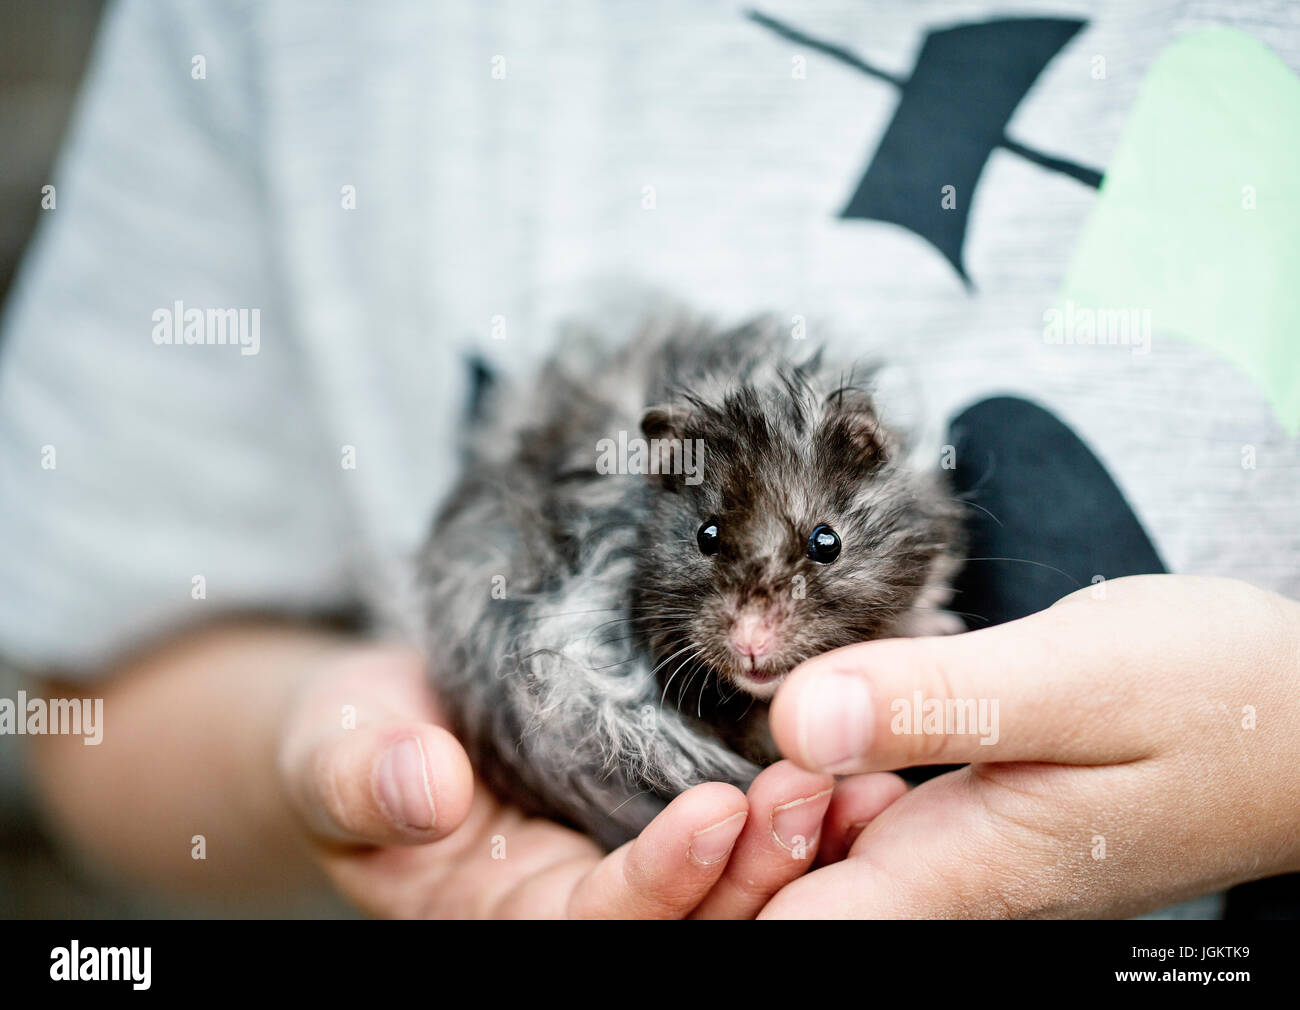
x: 643, y: 792
x: 971, y: 504
x: 688, y: 659
x: 1036, y: 564
x: 661, y: 665
x: 697, y: 668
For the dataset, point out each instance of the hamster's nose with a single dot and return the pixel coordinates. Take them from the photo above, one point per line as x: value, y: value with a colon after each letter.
x: 752, y: 636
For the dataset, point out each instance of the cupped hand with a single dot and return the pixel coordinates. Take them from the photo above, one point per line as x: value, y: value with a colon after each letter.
x: 1132, y: 746
x: 394, y: 815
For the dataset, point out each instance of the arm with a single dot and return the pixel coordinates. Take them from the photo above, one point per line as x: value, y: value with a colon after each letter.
x: 191, y: 726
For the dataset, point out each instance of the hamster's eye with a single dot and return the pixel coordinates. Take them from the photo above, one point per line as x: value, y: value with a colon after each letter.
x: 708, y: 537
x: 824, y: 545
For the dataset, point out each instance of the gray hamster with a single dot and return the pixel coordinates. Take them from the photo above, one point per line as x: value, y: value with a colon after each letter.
x: 645, y: 540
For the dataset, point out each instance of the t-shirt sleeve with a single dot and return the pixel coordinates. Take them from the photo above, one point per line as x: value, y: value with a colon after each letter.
x: 146, y: 484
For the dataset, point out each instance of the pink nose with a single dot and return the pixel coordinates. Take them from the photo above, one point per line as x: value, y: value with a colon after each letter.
x: 752, y: 635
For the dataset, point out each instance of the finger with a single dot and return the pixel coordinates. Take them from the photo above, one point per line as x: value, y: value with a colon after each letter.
x: 856, y: 802
x: 382, y: 785
x: 1005, y: 841
x: 667, y: 870
x: 1061, y: 685
x: 498, y: 865
x: 779, y: 842
x: 931, y: 854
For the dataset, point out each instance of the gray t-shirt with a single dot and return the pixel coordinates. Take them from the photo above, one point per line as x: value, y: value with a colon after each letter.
x: 378, y: 193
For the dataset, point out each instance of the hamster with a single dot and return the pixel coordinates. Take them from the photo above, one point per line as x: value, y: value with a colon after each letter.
x: 645, y: 541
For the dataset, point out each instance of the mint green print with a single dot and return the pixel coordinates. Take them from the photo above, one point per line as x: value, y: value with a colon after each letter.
x: 1214, y: 133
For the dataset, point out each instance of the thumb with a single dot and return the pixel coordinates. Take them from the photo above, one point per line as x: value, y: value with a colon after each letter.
x: 1057, y: 686
x: 402, y: 783
x: 388, y: 774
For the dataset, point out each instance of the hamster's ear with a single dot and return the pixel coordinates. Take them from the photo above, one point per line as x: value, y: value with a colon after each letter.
x: 665, y: 420
x: 851, y: 418
x: 674, y: 458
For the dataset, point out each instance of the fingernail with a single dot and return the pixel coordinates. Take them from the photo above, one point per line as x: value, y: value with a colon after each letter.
x: 796, y: 824
x: 402, y: 780
x: 834, y: 721
x: 714, y: 843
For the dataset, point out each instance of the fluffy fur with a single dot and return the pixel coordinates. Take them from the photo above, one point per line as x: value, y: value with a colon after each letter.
x: 577, y: 634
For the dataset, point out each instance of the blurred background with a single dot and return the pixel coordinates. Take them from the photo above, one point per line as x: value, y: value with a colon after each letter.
x: 44, y: 47
x: 43, y: 52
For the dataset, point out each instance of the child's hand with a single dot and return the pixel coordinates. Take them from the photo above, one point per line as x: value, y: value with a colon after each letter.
x: 1147, y: 750
x: 398, y: 822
